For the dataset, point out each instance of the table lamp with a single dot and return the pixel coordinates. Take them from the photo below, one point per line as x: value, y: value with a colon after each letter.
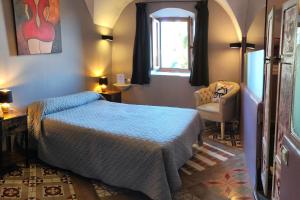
x: 103, y: 82
x: 5, y: 100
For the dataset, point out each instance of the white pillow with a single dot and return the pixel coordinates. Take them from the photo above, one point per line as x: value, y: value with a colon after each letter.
x: 221, y: 90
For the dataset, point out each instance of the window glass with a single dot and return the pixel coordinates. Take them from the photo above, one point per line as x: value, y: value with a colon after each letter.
x: 174, y: 44
x: 296, y: 102
x: 254, y: 73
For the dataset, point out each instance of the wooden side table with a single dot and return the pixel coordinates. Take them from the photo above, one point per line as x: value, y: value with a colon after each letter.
x: 13, y: 125
x: 112, y: 95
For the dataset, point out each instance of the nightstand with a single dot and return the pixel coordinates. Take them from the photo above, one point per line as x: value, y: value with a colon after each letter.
x: 13, y: 128
x: 112, y: 95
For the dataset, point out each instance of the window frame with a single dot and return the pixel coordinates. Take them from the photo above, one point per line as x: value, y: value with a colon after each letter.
x: 190, y: 31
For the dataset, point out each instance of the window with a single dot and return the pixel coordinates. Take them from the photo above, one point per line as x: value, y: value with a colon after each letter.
x: 172, y: 44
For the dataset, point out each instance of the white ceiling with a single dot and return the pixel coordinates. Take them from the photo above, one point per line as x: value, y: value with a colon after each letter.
x: 242, y: 12
x: 106, y: 12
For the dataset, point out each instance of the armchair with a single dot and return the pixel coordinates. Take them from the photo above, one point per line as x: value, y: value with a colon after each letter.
x: 224, y: 110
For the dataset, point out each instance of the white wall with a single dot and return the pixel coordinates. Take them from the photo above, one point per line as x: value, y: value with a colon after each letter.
x: 255, y: 9
x: 256, y: 32
x: 90, y: 6
x: 172, y: 90
x: 40, y: 76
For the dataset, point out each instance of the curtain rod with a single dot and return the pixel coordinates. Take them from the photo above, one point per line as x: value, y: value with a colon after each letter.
x: 171, y: 1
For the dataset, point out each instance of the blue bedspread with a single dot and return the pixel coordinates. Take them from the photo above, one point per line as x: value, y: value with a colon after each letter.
x: 131, y: 146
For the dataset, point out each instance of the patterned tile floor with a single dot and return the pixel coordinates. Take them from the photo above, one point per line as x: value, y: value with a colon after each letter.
x: 224, y: 181
x: 37, y: 182
x: 232, y: 138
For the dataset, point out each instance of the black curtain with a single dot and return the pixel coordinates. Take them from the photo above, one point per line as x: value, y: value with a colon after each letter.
x: 141, y: 53
x: 199, y: 71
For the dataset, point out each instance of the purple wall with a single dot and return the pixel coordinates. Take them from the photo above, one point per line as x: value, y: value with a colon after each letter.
x: 251, y: 129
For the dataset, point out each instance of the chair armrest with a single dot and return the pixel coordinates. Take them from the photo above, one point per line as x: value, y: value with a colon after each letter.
x: 228, y: 104
x: 197, y: 98
x: 230, y: 96
x: 203, y: 96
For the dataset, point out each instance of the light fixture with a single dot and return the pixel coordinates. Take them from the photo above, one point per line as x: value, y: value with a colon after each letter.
x: 250, y: 46
x: 5, y: 99
x: 238, y: 45
x: 103, y: 82
x: 109, y: 38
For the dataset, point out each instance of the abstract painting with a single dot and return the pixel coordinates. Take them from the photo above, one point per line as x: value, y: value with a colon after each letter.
x: 37, y: 24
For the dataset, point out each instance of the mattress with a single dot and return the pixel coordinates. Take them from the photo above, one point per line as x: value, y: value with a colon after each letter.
x: 132, y: 146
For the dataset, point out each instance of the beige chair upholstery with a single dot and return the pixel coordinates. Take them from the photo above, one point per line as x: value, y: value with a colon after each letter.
x: 223, y: 111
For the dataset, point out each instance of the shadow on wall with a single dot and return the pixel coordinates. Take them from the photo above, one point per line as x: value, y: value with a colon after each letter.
x: 173, y: 90
x: 256, y: 31
x: 41, y: 76
x: 9, y: 26
x: 98, y: 63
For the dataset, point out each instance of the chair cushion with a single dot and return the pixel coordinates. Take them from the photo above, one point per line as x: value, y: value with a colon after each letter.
x: 221, y: 90
x: 210, y: 111
x: 210, y: 107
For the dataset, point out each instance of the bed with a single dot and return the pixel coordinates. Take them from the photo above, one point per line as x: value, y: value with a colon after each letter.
x: 131, y: 146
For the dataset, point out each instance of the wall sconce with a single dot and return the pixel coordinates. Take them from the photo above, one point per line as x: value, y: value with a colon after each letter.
x: 238, y: 45
x: 109, y: 38
x: 250, y: 46
x: 5, y: 99
x: 103, y: 82
x: 235, y: 45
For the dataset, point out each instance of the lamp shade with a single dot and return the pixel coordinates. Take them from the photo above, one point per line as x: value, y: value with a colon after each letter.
x: 6, y: 96
x: 103, y: 80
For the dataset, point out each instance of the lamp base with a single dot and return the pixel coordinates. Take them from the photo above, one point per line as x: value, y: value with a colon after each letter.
x: 103, y: 88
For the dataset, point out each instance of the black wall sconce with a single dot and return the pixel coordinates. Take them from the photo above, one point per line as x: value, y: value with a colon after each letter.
x: 250, y: 46
x: 238, y: 45
x: 109, y: 38
x: 235, y: 45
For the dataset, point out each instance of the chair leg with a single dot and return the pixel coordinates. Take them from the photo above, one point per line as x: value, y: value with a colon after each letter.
x: 222, y: 130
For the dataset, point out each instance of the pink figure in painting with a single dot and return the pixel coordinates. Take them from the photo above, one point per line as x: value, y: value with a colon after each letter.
x: 37, y: 30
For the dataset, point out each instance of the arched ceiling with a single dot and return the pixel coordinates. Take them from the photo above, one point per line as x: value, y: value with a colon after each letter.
x: 106, y: 12
x: 232, y: 16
